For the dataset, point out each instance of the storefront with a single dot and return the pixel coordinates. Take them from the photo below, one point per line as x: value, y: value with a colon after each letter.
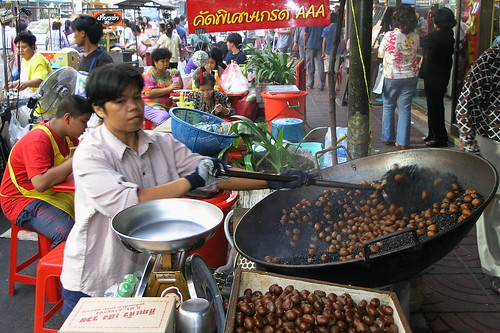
x: 477, y: 26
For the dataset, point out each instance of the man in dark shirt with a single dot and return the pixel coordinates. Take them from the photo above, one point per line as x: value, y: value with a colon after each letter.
x: 478, y: 118
x: 180, y: 31
x: 235, y: 53
x: 88, y: 32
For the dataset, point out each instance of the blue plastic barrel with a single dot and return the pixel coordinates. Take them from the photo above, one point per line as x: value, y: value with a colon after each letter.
x: 293, y: 128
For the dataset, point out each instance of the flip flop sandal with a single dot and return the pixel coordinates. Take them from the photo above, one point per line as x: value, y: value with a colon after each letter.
x: 495, y: 285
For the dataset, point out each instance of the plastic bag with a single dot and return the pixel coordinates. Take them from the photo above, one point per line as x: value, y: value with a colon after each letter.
x: 379, y: 82
x: 233, y: 81
x: 224, y: 128
x: 16, y: 131
x: 341, y: 154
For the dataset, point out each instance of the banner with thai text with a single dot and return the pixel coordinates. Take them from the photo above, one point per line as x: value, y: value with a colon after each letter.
x: 237, y: 15
x: 109, y: 18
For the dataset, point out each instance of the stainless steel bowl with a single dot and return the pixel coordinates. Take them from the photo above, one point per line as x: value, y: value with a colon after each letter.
x: 167, y: 225
x: 196, y: 315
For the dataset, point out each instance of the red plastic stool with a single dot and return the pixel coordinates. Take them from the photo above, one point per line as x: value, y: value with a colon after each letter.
x: 44, y: 245
x: 300, y: 77
x: 49, y: 266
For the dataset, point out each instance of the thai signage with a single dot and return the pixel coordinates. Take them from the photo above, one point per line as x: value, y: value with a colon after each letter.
x: 109, y: 18
x: 235, y: 15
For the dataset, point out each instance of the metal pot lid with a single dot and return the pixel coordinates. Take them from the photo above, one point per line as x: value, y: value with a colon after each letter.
x: 202, y: 284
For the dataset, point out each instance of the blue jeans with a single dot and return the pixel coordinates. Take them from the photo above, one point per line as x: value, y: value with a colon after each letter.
x: 398, y: 92
x: 314, y: 63
x: 71, y: 298
x: 47, y: 220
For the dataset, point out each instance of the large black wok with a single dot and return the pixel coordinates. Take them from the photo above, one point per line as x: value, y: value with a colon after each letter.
x: 257, y: 235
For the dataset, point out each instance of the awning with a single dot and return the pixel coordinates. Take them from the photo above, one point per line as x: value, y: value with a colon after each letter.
x: 161, y: 4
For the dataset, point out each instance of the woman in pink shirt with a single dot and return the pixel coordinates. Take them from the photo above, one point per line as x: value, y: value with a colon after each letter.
x: 399, y: 52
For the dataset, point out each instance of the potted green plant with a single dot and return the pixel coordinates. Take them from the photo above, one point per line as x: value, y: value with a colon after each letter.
x: 279, y: 69
x: 271, y: 67
x: 262, y: 152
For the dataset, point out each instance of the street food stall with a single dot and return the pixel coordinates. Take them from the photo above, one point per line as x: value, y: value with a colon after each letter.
x: 112, y: 17
x: 283, y: 236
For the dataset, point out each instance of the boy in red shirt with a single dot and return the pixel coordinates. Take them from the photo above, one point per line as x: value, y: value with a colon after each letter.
x: 40, y: 160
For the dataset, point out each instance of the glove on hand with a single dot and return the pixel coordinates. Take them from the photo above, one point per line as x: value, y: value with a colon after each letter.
x: 302, y: 178
x: 206, y: 173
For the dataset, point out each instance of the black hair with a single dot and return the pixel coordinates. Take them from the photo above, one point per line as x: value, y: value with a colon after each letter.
x: 75, y: 105
x: 22, y: 26
x: 160, y: 53
x: 93, y: 28
x: 208, y: 78
x: 222, y: 45
x: 56, y: 25
x: 126, y: 22
x: 25, y: 37
x: 386, y: 22
x: 404, y: 18
x: 67, y: 25
x: 177, y: 21
x: 333, y: 17
x: 444, y: 18
x: 216, y: 54
x: 235, y: 38
x: 167, y: 24
x: 107, y: 83
x: 182, y: 17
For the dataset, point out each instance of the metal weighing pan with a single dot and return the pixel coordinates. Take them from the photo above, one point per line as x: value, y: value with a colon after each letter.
x: 257, y: 233
x: 167, y: 225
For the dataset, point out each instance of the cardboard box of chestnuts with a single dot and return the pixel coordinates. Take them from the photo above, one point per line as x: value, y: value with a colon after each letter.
x: 261, y: 281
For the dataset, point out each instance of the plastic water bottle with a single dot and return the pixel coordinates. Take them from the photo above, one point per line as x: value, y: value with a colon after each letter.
x: 181, y: 100
x: 216, y: 86
x: 126, y: 289
x: 341, y: 154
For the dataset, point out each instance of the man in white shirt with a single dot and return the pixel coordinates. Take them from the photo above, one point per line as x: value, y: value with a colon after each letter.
x: 127, y: 35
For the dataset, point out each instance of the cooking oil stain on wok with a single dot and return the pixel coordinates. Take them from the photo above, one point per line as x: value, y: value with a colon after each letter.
x: 167, y: 230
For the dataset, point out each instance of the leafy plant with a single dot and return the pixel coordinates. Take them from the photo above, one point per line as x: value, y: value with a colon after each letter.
x: 270, y: 66
x: 262, y: 149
